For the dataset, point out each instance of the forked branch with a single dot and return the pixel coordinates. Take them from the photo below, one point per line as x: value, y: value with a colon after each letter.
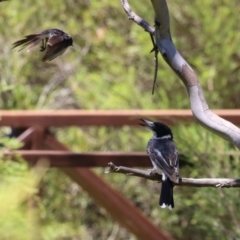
x: 148, y: 28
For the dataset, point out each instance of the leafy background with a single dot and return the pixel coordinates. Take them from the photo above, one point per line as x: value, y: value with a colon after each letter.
x: 110, y: 67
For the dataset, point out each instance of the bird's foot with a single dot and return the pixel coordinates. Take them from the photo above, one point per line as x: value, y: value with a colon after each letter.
x: 44, y: 45
x: 152, y: 171
x: 42, y: 48
x: 224, y: 184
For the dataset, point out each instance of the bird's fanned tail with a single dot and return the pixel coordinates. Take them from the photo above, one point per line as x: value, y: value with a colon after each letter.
x: 166, y: 196
x: 29, y: 40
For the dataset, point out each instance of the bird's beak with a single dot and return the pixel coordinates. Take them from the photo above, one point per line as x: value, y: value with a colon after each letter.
x: 146, y: 123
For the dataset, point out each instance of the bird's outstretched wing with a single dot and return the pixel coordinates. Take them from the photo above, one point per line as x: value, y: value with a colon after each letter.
x: 55, y: 50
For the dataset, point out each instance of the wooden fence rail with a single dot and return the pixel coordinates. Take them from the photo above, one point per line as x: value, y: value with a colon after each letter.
x: 115, y: 118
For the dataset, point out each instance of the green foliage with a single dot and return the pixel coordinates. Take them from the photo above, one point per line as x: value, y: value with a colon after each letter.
x: 109, y: 67
x: 18, y: 188
x: 207, y: 34
x: 22, y: 211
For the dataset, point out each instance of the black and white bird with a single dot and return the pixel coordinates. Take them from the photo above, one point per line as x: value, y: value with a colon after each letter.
x: 164, y: 157
x: 54, y: 41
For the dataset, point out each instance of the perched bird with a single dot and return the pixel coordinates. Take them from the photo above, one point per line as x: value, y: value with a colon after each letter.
x: 164, y: 157
x: 54, y: 41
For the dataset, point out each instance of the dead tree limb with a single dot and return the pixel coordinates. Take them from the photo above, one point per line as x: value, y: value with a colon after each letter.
x: 190, y: 182
x: 134, y: 17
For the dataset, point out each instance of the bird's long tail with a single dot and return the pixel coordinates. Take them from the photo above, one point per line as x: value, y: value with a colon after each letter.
x: 166, y: 196
x: 30, y: 40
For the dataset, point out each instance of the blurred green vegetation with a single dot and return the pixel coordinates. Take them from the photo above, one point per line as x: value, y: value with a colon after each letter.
x: 110, y: 67
x: 19, y: 185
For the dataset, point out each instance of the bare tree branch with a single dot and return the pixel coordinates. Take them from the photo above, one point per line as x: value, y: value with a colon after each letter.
x: 199, y: 106
x: 133, y: 16
x: 190, y: 182
x: 148, y: 28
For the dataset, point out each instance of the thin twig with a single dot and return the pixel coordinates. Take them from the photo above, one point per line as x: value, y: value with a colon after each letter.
x: 191, y: 182
x: 148, y: 28
x: 155, y: 49
x: 133, y: 16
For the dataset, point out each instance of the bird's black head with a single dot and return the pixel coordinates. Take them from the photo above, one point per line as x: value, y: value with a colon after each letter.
x: 70, y: 41
x: 159, y: 129
x: 67, y: 39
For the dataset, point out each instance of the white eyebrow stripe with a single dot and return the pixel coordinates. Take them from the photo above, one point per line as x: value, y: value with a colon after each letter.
x: 163, y: 137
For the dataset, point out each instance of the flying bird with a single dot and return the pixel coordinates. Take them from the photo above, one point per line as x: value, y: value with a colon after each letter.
x: 54, y: 41
x: 164, y: 157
